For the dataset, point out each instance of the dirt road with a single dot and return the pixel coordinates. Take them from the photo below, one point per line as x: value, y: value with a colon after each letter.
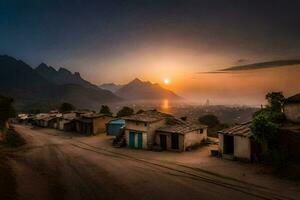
x: 55, y: 166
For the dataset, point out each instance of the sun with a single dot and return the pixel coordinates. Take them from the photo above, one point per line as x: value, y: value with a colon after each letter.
x: 167, y: 81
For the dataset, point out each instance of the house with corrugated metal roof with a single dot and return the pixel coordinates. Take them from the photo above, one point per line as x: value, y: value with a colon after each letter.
x: 115, y: 127
x: 237, y: 142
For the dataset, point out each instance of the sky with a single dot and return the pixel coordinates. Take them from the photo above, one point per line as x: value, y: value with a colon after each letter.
x: 179, y: 40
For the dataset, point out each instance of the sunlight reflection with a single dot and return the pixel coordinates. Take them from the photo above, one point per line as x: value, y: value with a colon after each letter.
x: 165, y: 107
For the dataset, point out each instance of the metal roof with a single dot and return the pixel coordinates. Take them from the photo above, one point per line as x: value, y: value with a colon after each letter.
x: 117, y: 121
x: 238, y: 130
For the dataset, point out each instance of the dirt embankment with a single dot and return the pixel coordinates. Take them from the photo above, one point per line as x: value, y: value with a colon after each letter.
x: 8, y: 185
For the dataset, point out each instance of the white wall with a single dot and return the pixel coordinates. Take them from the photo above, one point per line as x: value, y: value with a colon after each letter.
x: 194, y: 138
x: 292, y: 112
x: 148, y: 131
x: 221, y: 142
x: 242, y: 147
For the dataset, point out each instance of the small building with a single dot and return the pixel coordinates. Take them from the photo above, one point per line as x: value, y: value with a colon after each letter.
x: 291, y: 108
x: 91, y: 123
x: 180, y: 136
x: 114, y: 127
x: 140, y: 128
x: 67, y: 121
x: 237, y: 143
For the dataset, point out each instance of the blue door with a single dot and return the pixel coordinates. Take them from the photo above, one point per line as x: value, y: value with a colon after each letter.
x: 140, y: 140
x: 131, y: 139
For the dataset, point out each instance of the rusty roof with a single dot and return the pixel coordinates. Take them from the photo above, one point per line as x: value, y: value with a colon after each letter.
x: 239, y: 130
x: 148, y: 116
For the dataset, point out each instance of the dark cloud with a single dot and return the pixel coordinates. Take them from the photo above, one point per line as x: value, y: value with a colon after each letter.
x: 240, y: 61
x: 262, y: 65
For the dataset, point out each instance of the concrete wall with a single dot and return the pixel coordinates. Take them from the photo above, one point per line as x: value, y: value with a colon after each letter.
x: 194, y: 138
x: 145, y: 138
x: 221, y: 143
x: 99, y: 124
x: 169, y: 141
x: 148, y: 130
x: 292, y: 112
x: 242, y: 147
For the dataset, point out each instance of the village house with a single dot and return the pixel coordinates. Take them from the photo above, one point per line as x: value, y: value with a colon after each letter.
x: 290, y: 130
x: 67, y: 121
x: 291, y: 108
x: 237, y: 142
x: 152, y: 129
x: 140, y: 128
x: 180, y: 136
x: 91, y: 123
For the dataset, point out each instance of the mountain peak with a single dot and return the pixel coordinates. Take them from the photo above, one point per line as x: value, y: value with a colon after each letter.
x: 136, y: 80
x: 77, y: 74
x: 145, y: 90
x: 64, y: 70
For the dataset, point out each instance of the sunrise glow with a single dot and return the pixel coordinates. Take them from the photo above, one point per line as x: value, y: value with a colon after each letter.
x: 167, y: 81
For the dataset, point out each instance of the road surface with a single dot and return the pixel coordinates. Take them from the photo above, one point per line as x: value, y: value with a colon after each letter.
x: 55, y: 166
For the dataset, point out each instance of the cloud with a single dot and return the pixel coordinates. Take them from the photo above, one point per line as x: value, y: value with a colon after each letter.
x: 261, y: 65
x: 253, y: 66
x: 240, y: 61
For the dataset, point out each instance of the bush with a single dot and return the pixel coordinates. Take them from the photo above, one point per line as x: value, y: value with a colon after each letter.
x: 66, y: 107
x: 125, y: 111
x: 105, y: 110
x: 12, y: 138
x: 209, y: 120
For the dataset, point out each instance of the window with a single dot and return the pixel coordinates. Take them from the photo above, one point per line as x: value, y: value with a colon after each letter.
x: 200, y: 131
x: 145, y: 124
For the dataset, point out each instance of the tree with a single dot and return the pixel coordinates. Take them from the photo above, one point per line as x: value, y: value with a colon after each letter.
x: 125, y: 111
x: 184, y: 118
x: 265, y: 128
x: 105, y: 110
x: 65, y: 107
x: 209, y: 120
x: 140, y: 111
x: 275, y: 100
x: 6, y: 111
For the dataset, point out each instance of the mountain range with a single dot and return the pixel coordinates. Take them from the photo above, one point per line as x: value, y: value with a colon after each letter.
x: 144, y: 90
x: 45, y: 86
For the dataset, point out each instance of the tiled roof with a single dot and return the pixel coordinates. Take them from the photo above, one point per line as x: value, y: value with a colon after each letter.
x: 293, y: 99
x: 148, y: 116
x: 180, y: 127
x: 239, y: 130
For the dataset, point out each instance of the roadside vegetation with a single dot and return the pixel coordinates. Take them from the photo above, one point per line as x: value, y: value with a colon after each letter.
x: 105, y: 110
x: 8, y: 135
x: 125, y: 111
x: 213, y: 124
x: 66, y: 107
x: 265, y: 127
